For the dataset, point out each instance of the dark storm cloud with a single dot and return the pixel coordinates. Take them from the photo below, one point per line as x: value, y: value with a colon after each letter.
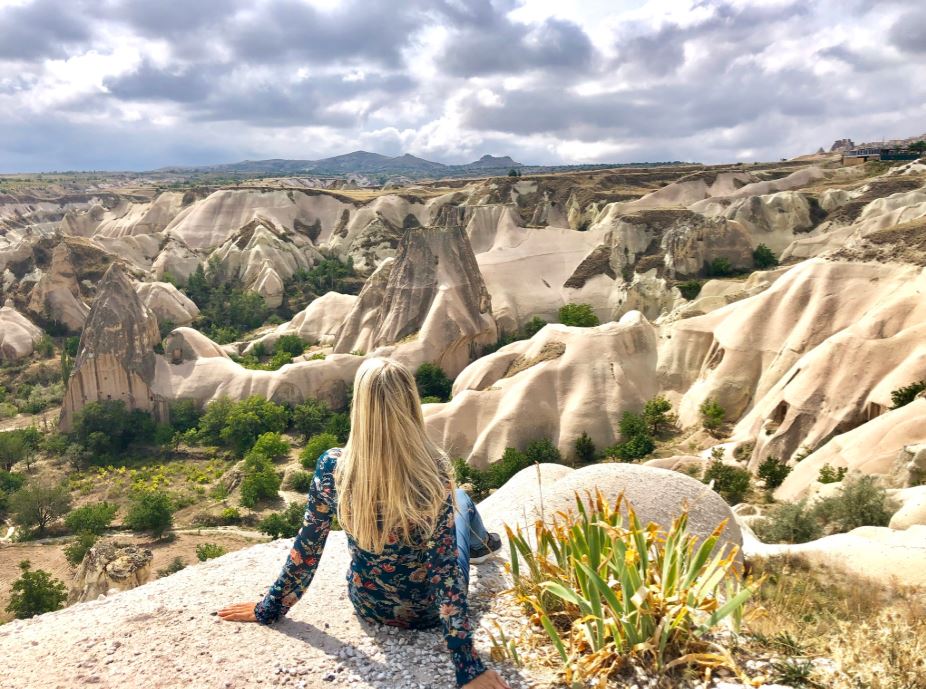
x: 909, y: 32
x: 150, y: 83
x: 44, y: 28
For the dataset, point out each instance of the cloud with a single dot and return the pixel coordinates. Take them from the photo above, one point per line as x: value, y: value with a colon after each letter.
x: 139, y: 84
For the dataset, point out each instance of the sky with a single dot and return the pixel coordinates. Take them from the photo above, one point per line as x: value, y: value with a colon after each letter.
x: 141, y: 84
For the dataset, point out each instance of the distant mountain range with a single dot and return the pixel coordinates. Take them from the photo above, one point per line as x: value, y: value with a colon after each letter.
x: 356, y: 163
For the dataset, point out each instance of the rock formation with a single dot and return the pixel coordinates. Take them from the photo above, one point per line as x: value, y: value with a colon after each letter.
x: 167, y: 303
x: 318, y: 323
x: 107, y: 569
x: 116, y: 357
x: 56, y: 296
x: 18, y: 334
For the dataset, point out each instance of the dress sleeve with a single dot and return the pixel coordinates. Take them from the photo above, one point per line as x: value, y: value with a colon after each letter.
x: 451, y: 595
x: 303, y: 557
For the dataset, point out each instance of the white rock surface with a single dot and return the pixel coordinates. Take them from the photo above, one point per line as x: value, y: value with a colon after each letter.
x: 18, y: 334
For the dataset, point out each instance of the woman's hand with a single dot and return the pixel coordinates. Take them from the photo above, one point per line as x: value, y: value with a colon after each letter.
x: 240, y: 612
x: 489, y: 679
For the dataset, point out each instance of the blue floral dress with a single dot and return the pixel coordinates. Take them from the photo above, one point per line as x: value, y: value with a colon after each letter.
x: 404, y: 586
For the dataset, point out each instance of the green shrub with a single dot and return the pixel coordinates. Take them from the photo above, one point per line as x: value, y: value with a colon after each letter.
x: 858, y: 502
x: 208, y: 551
x: 285, y: 524
x: 290, y: 344
x: 788, y: 523
x: 39, y: 504
x: 107, y: 428
x: 603, y: 578
x: 512, y: 461
x: 75, y: 550
x: 763, y: 258
x: 431, y: 400
x: 657, y: 413
x: 310, y: 417
x: 260, y: 481
x: 300, y: 481
x: 464, y: 473
x: 12, y: 449
x: 9, y: 483
x: 433, y: 382
x: 316, y: 447
x: 152, y: 511
x: 35, y: 592
x: 533, y: 326
x: 229, y: 516
x: 903, y: 396
x: 214, y: 420
x: 720, y: 267
x: 248, y: 419
x: 712, y: 415
x: 733, y: 483
x: 585, y: 448
x: 45, y: 347
x: 690, y: 289
x: 339, y: 426
x: 272, y: 446
x: 542, y: 451
x: 636, y: 441
x: 773, y: 471
x: 94, y: 518
x: 175, y: 566
x: 580, y: 315
x: 828, y: 474
x: 184, y: 415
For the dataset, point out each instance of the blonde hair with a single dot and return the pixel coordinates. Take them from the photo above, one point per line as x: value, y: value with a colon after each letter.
x: 391, y: 480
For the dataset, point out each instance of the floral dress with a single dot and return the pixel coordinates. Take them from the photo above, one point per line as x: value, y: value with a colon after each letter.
x: 404, y: 586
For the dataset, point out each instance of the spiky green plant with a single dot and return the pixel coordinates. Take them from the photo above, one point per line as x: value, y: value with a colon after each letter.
x: 607, y: 589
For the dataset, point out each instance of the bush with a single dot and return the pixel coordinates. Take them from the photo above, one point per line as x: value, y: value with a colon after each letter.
x: 214, y: 420
x: 828, y: 474
x: 39, y: 504
x: 903, y: 396
x: 720, y: 267
x: 260, y: 481
x: 712, y: 415
x: 285, y: 524
x: 315, y: 448
x: 431, y: 400
x: 858, y: 502
x: 533, y: 326
x: 290, y: 344
x: 208, y: 551
x: 733, y: 483
x: 636, y: 442
x: 433, y: 382
x: 248, y: 419
x: 75, y: 550
x: 310, y: 417
x: 657, y: 413
x: 580, y: 315
x: 773, y: 471
x: 690, y: 289
x: 585, y: 448
x: 788, y: 523
x: 230, y: 515
x: 35, y: 592
x: 9, y: 483
x: 511, y: 462
x: 602, y: 577
x: 152, y: 511
x: 299, y: 481
x: 93, y: 519
x: 542, y: 451
x: 272, y: 446
x: 107, y: 428
x: 464, y: 473
x: 175, y: 566
x: 184, y: 415
x: 12, y: 449
x: 339, y: 426
x: 763, y: 258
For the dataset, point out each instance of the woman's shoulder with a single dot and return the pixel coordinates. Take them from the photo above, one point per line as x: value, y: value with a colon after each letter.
x: 328, y: 460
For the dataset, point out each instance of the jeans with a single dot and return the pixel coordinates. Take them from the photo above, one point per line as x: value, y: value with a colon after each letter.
x: 470, y: 530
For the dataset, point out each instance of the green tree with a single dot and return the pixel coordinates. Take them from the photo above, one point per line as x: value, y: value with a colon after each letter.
x: 39, y: 504
x: 9, y: 483
x: 35, y: 592
x: 250, y: 418
x: 533, y: 326
x: 918, y: 146
x: 285, y: 524
x: 690, y: 289
x: 208, y: 551
x: 260, y: 480
x: 184, y: 415
x: 712, y: 415
x: 579, y: 315
x: 290, y: 344
x: 12, y: 449
x: 316, y: 446
x: 433, y: 382
x: 773, y: 471
x: 512, y: 461
x: 763, y: 257
x: 299, y: 481
x: 272, y: 446
x: 339, y: 426
x: 214, y: 420
x: 906, y: 394
x: 733, y: 483
x: 152, y: 511
x: 585, y: 448
x: 542, y: 451
x: 75, y: 551
x: 828, y: 474
x: 310, y: 417
x: 94, y: 518
x: 720, y: 267
x: 657, y: 413
x: 858, y: 502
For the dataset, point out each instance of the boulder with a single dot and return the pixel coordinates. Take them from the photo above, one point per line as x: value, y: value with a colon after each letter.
x: 657, y: 496
x: 56, y: 296
x: 912, y: 510
x: 188, y: 344
x: 108, y: 568
x: 169, y: 304
x: 18, y: 334
x: 318, y: 323
x: 116, y: 359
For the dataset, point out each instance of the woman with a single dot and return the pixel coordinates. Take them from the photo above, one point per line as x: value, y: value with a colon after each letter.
x: 411, y: 535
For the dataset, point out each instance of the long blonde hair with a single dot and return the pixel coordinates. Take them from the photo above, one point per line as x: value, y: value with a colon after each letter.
x: 391, y: 480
